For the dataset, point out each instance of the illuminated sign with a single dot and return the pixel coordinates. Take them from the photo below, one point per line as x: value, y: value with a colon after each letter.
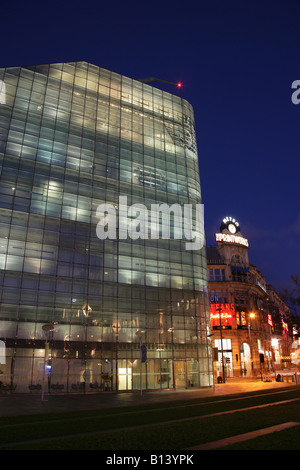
x: 240, y: 269
x: 261, y: 286
x: 234, y: 239
x: 222, y: 308
x: 270, y: 321
x: 230, y: 224
x: 230, y: 220
x: 225, y: 316
x: 225, y: 311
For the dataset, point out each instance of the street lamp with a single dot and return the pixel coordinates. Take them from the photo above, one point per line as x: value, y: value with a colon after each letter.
x: 251, y: 315
x: 139, y: 334
x: 221, y: 335
x: 213, y: 375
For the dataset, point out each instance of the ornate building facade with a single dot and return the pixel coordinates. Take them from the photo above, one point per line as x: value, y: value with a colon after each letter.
x: 251, y: 332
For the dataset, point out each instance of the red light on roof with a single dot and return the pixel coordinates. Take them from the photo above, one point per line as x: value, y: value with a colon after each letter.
x: 179, y: 84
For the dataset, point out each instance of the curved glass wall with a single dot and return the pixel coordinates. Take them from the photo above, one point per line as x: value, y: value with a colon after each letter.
x: 74, y: 137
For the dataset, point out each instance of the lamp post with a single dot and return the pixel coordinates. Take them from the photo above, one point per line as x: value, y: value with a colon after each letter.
x: 251, y: 315
x: 222, y: 352
x: 171, y: 330
x: 210, y: 337
x: 139, y: 334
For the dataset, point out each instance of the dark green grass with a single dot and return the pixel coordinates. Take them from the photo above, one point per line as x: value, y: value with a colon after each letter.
x: 109, y: 429
x: 289, y: 439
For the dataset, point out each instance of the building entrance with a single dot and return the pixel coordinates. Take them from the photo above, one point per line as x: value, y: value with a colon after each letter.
x: 245, y: 360
x: 180, y: 374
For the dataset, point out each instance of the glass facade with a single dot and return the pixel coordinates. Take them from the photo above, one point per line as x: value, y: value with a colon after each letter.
x: 75, y: 310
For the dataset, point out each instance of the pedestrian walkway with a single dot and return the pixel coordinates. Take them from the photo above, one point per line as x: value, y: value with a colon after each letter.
x: 17, y: 405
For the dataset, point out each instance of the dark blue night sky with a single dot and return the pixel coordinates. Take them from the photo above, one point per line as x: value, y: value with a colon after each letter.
x: 237, y: 61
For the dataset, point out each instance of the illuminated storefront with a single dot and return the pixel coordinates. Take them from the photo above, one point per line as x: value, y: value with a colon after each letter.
x: 76, y: 310
x: 221, y: 314
x: 249, y: 321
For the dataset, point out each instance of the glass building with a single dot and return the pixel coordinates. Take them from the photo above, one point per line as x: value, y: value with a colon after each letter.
x: 79, y: 312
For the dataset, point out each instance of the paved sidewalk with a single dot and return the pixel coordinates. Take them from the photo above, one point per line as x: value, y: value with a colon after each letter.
x: 16, y: 405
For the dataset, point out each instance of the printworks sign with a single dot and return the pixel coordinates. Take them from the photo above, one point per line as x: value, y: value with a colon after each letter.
x: 232, y: 239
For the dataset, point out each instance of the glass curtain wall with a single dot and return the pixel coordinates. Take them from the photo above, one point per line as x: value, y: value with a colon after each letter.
x: 76, y: 309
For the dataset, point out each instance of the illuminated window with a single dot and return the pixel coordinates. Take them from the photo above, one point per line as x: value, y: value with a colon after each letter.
x: 226, y: 343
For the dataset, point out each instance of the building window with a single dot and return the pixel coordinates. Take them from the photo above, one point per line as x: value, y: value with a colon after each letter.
x: 219, y: 297
x: 236, y: 259
x: 226, y: 343
x: 241, y: 318
x: 217, y: 275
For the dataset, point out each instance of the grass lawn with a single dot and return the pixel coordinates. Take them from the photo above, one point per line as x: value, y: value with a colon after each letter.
x: 289, y: 439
